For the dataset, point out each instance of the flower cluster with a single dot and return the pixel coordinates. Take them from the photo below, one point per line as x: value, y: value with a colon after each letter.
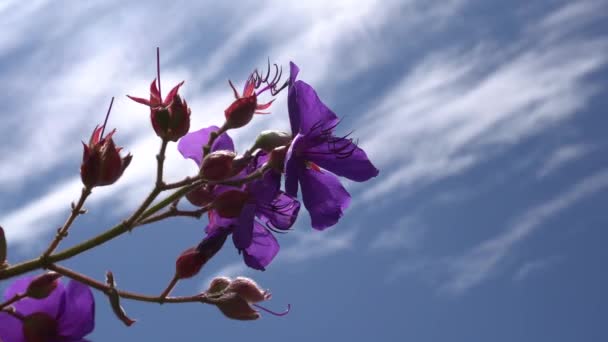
x: 246, y: 196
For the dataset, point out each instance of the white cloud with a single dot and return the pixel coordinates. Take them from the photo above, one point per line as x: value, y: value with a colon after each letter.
x: 406, y: 234
x: 535, y: 266
x: 562, y: 156
x: 451, y: 113
x: 58, y: 104
x: 475, y: 266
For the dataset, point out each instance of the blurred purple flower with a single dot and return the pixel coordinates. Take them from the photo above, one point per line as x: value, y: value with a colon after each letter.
x: 66, y: 315
x: 314, y: 151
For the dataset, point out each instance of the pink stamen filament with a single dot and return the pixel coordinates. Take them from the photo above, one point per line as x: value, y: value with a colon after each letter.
x: 280, y: 314
x: 158, y: 72
x: 105, y: 122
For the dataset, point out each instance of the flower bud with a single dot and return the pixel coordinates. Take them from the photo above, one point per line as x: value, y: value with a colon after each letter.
x: 230, y: 203
x: 248, y: 290
x: 212, y: 243
x: 40, y: 327
x: 217, y: 165
x: 170, y: 118
x: 189, y: 263
x: 240, y: 112
x: 218, y: 285
x: 277, y: 158
x: 234, y: 306
x: 101, y: 160
x: 43, y: 285
x: 201, y: 196
x: 3, y: 249
x: 269, y: 140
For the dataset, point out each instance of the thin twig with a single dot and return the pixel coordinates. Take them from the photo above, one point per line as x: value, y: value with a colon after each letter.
x: 104, y: 288
x: 63, y: 231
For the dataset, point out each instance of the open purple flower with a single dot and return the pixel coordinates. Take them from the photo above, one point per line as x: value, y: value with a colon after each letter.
x: 263, y: 207
x: 316, y: 156
x: 66, y: 315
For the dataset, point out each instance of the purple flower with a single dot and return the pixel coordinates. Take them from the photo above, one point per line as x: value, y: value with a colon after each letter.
x: 66, y: 315
x: 316, y: 156
x: 266, y: 208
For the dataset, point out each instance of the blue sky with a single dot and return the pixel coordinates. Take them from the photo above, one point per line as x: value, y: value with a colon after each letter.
x: 487, y: 222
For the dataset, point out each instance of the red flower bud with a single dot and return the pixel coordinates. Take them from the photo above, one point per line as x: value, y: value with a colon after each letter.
x: 217, y: 165
x: 241, y: 111
x: 101, y: 160
x: 189, y: 263
x: 170, y: 118
x: 201, y: 196
x: 43, y: 285
x: 230, y: 203
x: 40, y: 327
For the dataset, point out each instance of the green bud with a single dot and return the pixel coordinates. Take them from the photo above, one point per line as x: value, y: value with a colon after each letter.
x: 269, y: 140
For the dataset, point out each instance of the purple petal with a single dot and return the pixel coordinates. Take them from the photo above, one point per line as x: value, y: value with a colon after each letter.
x: 344, y: 159
x: 243, y: 232
x: 191, y: 145
x: 281, y: 213
x: 306, y: 109
x: 216, y: 222
x: 263, y: 249
x: 78, y: 319
x: 11, y: 329
x: 292, y: 166
x: 324, y: 197
x: 53, y: 305
x: 293, y: 72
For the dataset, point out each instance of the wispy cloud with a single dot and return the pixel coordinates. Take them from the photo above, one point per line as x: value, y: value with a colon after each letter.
x: 475, y: 266
x: 562, y: 156
x: 406, y: 234
x: 455, y: 109
x: 304, y: 247
x: 535, y: 266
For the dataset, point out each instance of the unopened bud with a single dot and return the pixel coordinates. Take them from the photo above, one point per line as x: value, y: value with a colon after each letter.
x: 218, y: 285
x: 189, y: 263
x: 3, y: 249
x: 269, y: 140
x: 201, y: 196
x: 240, y: 112
x: 248, y: 289
x: 217, y: 165
x: 230, y: 203
x: 39, y: 327
x: 101, y: 160
x: 234, y: 306
x: 43, y: 285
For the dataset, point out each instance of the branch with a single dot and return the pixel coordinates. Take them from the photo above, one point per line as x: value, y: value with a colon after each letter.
x: 63, y: 231
x: 105, y: 288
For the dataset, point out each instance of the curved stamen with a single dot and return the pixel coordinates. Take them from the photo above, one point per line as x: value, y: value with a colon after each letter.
x: 103, y: 128
x: 272, y: 312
